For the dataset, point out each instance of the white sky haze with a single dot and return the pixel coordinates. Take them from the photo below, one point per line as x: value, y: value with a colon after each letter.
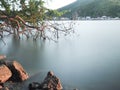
x: 55, y: 4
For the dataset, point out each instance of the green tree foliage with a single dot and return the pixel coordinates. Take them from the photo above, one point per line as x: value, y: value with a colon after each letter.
x: 24, y: 16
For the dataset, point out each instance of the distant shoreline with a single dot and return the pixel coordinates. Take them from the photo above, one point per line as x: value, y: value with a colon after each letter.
x: 86, y: 20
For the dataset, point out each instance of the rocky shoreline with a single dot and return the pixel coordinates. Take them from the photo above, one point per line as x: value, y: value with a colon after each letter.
x: 13, y: 77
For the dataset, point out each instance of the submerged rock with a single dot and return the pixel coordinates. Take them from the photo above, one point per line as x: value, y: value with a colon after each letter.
x: 13, y: 86
x: 51, y: 82
x: 34, y: 86
x: 2, y: 57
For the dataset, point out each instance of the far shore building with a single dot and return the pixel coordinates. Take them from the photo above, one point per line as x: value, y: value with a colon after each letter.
x: 88, y: 18
x: 64, y: 18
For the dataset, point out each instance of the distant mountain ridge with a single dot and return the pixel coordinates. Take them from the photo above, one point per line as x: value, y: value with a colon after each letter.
x: 93, y: 8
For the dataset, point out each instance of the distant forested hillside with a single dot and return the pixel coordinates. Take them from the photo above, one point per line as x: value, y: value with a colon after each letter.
x: 93, y: 8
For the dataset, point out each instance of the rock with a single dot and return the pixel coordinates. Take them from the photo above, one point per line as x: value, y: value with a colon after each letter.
x: 1, y: 87
x: 5, y: 73
x: 34, y: 86
x: 4, y: 88
x: 18, y: 73
x: 2, y: 61
x: 14, y: 85
x: 50, y: 73
x: 51, y: 82
x: 11, y: 74
x: 2, y: 57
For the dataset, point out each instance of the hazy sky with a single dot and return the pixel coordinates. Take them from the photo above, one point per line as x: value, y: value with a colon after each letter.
x: 55, y: 4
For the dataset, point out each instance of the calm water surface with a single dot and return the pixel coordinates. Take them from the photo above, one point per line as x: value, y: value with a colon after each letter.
x: 87, y: 60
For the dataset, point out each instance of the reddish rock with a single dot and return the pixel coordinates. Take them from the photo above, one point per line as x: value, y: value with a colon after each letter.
x: 2, y: 57
x: 5, y: 73
x: 18, y: 73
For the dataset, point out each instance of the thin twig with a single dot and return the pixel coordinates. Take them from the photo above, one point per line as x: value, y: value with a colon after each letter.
x: 3, y: 41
